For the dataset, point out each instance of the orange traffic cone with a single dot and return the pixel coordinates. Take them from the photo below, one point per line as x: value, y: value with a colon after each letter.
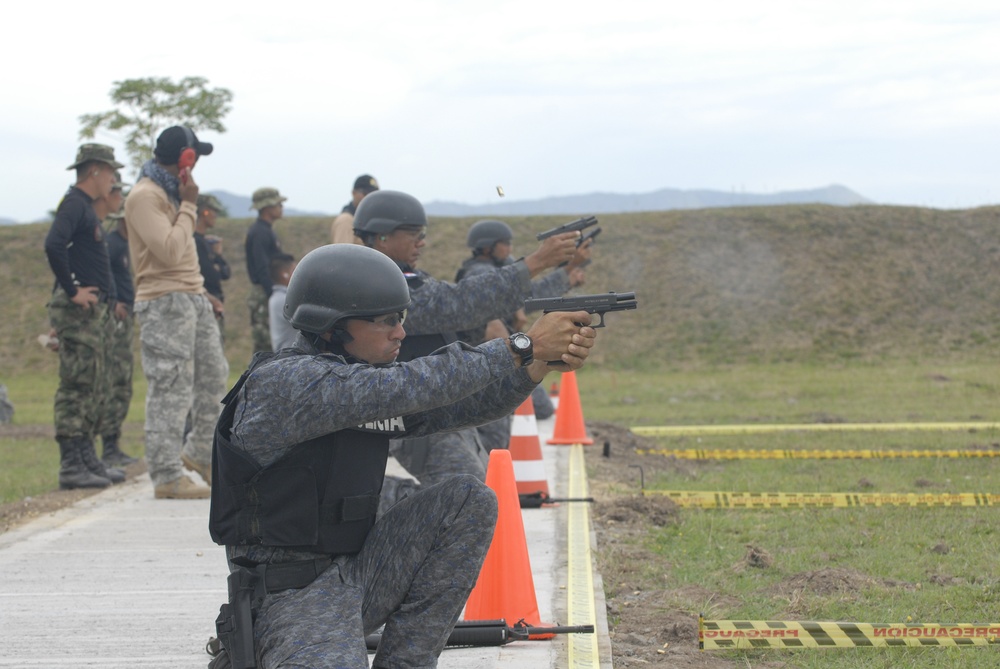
x: 505, y: 588
x: 526, y: 451
x: 569, y: 419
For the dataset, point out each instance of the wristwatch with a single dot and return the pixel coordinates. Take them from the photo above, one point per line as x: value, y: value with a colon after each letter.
x: 521, y: 344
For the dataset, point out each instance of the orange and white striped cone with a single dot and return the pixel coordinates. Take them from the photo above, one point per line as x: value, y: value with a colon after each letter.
x: 526, y: 452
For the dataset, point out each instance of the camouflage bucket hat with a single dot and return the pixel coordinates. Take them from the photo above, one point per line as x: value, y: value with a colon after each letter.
x: 207, y: 201
x: 119, y: 184
x: 99, y: 152
x: 265, y: 197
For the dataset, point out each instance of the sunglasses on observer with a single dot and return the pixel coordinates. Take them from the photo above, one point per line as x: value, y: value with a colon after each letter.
x: 389, y: 320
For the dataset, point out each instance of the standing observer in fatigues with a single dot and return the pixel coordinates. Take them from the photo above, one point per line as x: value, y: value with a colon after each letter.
x: 214, y: 268
x: 395, y: 224
x: 299, y: 494
x: 262, y: 246
x: 342, y: 230
x: 118, y: 354
x: 82, y: 299
x: 181, y: 351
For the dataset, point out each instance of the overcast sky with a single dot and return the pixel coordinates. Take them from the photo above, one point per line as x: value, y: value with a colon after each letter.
x: 446, y: 100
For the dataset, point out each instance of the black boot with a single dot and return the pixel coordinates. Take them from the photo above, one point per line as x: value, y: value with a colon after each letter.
x: 113, y: 455
x: 73, y: 473
x: 89, y: 457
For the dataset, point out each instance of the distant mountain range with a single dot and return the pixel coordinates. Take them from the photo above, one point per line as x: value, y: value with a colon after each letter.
x: 661, y: 200
x: 238, y: 206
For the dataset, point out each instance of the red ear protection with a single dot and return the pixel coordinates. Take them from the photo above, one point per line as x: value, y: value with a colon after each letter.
x: 186, y: 162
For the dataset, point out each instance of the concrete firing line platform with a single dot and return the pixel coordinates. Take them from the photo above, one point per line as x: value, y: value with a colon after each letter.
x: 124, y: 580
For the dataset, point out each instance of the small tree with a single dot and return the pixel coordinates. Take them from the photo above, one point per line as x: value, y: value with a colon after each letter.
x: 146, y: 107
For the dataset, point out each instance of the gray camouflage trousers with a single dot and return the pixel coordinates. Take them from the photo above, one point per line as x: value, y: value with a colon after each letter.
x: 187, y: 372
x: 414, y: 574
x: 440, y: 456
x: 83, y: 380
x: 120, y: 364
x: 260, y: 320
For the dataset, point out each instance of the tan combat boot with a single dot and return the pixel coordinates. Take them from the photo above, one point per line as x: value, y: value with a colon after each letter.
x: 204, y: 471
x: 182, y: 488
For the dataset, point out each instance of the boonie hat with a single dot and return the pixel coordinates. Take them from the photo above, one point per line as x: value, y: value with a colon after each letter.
x: 100, y: 152
x: 118, y: 184
x: 207, y: 201
x: 265, y: 197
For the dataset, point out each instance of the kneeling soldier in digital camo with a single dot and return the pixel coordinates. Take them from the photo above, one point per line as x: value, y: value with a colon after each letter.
x: 295, y: 499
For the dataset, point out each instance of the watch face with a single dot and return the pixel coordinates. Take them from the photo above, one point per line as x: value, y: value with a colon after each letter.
x: 521, y: 341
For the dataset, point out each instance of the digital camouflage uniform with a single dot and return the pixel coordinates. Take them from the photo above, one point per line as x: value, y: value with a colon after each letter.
x: 422, y: 557
x: 497, y: 433
x: 440, y: 307
x: 182, y: 356
x: 186, y: 371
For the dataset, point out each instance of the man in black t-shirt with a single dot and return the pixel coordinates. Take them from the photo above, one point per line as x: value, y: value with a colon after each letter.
x: 262, y: 246
x: 83, y: 297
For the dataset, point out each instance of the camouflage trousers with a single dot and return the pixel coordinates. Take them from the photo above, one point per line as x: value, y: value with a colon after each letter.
x: 495, y: 434
x: 187, y: 373
x: 83, y: 380
x: 414, y: 574
x: 437, y: 457
x: 260, y: 322
x: 119, y: 361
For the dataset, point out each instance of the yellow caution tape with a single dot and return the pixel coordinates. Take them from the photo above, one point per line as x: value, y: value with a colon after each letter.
x: 686, y: 430
x: 812, y: 454
x: 796, y: 500
x: 745, y: 634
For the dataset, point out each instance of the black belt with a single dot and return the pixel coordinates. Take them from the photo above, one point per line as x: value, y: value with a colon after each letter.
x: 287, y: 575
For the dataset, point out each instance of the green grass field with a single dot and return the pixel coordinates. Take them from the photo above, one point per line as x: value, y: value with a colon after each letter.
x: 899, y: 564
x: 919, y: 565
x: 795, y: 314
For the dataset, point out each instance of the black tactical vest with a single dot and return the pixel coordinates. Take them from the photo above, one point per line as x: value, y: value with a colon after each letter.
x: 417, y: 346
x: 321, y: 497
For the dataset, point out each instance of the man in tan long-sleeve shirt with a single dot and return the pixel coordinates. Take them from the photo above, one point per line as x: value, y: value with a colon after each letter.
x: 181, y: 352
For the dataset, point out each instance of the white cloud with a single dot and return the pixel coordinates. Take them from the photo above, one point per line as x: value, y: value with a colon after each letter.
x: 448, y: 99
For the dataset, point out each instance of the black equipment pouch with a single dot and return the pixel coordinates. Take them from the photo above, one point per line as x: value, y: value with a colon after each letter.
x: 234, y: 626
x: 248, y: 584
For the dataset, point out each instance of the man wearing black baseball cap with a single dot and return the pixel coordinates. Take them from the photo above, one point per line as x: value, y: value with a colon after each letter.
x: 342, y: 230
x: 181, y: 349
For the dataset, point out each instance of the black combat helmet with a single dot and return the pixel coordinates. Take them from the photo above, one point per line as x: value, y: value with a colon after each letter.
x: 341, y: 281
x: 383, y: 211
x: 484, y: 234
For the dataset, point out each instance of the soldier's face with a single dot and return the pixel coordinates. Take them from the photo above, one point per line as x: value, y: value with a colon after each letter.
x: 502, y: 251
x: 403, y: 245
x: 105, y: 180
x: 377, y: 341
